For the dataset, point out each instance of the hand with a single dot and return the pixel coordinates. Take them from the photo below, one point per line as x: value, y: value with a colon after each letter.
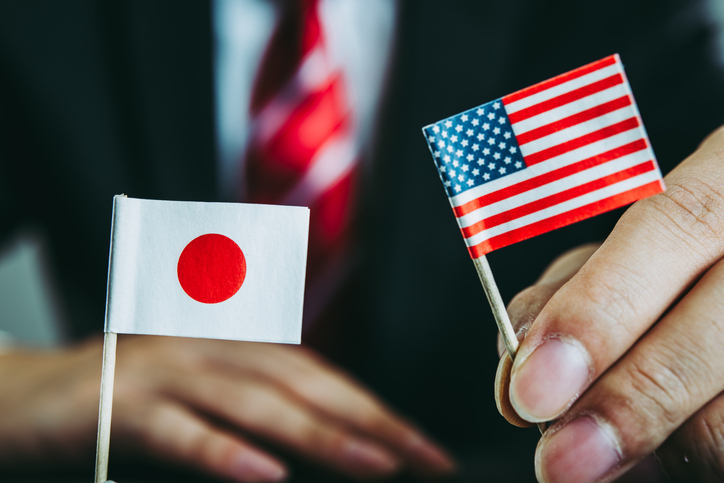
x: 627, y: 355
x: 195, y: 402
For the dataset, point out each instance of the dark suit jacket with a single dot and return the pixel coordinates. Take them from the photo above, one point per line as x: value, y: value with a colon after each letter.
x: 100, y: 98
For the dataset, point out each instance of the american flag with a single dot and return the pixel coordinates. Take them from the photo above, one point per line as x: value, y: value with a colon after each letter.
x: 544, y: 157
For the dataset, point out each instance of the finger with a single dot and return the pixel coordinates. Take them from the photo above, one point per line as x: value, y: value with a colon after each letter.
x: 334, y: 394
x: 633, y: 408
x: 659, y: 248
x: 695, y: 452
x: 172, y: 432
x: 502, y: 386
x: 526, y: 306
x: 263, y: 410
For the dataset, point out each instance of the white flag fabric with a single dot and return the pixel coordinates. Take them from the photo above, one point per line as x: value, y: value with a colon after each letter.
x: 212, y: 270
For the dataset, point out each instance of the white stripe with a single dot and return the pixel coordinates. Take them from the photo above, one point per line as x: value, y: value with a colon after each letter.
x: 592, y: 197
x: 333, y: 160
x: 569, y: 109
x: 312, y: 73
x: 573, y: 132
x: 564, y: 159
x: 556, y: 91
x: 563, y: 184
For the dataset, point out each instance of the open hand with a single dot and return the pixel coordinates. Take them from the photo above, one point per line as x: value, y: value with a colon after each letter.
x: 198, y: 403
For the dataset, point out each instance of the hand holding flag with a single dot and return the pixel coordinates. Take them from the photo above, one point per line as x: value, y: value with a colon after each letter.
x: 626, y: 356
x: 544, y: 157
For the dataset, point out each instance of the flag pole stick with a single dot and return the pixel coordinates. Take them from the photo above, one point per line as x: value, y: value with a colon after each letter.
x: 496, y: 304
x: 105, y: 407
x: 499, y: 311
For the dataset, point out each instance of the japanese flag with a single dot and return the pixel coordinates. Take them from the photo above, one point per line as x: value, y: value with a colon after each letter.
x: 212, y: 270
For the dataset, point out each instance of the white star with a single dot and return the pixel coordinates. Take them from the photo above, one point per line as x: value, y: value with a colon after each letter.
x: 432, y: 139
x: 496, y: 156
x: 507, y: 160
x: 436, y: 154
x: 506, y: 135
x: 464, y: 142
x: 491, y: 116
x: 501, y: 171
x: 458, y: 153
x: 512, y: 149
x: 475, y: 147
x: 456, y: 163
x: 447, y: 183
x: 476, y: 172
x: 491, y: 141
x: 461, y: 178
x: 501, y: 145
x: 464, y: 117
x: 501, y: 120
x: 469, y: 132
x: 486, y: 176
x: 436, y: 129
x: 451, y: 173
x: 470, y: 182
x: 441, y: 143
x: 486, y: 126
x: 496, y: 131
x: 444, y: 134
x: 457, y: 188
x: 491, y: 166
x: 496, y: 105
x: 442, y: 169
x: 448, y: 124
x: 453, y: 139
x: 446, y: 158
x: 481, y: 161
x: 518, y: 164
x: 470, y: 157
x: 449, y: 149
x: 475, y: 122
x: 465, y: 168
x: 481, y: 136
x: 480, y: 111
x: 458, y: 128
x: 486, y: 151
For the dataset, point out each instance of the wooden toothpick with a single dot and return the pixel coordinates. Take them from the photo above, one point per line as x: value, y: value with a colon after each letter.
x: 499, y: 312
x: 105, y: 406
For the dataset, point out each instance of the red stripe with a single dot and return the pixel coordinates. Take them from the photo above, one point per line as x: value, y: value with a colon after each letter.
x: 566, y: 98
x: 548, y: 177
x: 578, y: 142
x: 564, y: 219
x: 560, y: 79
x: 557, y: 198
x: 573, y: 120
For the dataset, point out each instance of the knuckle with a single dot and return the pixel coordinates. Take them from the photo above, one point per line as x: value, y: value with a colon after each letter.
x: 696, y: 208
x: 613, y: 300
x: 660, y: 391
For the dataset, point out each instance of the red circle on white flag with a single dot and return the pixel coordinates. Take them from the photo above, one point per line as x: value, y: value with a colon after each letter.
x: 211, y: 268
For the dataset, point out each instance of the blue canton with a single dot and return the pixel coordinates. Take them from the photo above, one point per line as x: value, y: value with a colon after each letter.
x: 474, y: 147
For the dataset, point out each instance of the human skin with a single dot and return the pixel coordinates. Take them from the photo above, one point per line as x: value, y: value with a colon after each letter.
x: 622, y: 350
x: 202, y: 404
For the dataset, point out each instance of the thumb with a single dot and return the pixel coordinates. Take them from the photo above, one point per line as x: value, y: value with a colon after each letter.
x: 523, y: 310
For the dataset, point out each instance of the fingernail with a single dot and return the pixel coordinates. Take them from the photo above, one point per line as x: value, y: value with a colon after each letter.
x: 429, y: 454
x: 582, y: 451
x: 257, y: 467
x: 370, y: 457
x: 549, y: 379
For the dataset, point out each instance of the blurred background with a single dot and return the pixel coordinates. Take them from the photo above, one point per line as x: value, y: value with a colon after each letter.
x: 416, y: 326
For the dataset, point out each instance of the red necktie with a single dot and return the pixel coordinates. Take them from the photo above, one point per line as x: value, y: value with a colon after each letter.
x: 301, y: 151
